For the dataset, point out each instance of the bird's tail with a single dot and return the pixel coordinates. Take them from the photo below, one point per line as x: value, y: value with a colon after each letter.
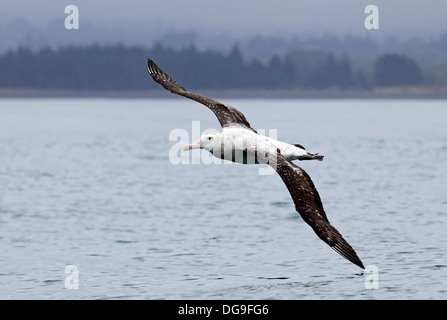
x: 311, y: 156
x: 308, y: 156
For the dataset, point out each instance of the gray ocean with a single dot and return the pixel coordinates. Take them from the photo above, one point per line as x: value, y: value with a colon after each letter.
x: 97, y: 202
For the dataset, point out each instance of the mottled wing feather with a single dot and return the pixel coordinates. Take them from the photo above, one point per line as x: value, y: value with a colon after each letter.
x: 227, y: 115
x: 308, y: 204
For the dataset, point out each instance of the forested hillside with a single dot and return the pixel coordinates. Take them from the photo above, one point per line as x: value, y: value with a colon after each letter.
x: 118, y: 67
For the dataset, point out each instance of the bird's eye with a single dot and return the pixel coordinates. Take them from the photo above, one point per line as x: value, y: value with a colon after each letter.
x: 209, y: 138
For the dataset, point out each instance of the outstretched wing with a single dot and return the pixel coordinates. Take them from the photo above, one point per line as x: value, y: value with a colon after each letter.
x: 308, y: 204
x: 227, y: 115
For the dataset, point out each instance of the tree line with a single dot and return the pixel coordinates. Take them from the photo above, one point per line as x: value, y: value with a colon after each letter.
x: 116, y: 67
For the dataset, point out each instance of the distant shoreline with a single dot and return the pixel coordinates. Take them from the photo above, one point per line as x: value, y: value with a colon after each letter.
x: 331, y: 93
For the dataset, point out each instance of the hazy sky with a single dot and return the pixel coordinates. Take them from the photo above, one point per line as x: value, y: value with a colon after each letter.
x: 240, y: 17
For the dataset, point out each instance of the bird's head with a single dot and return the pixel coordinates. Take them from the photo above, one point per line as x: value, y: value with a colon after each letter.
x: 209, y: 141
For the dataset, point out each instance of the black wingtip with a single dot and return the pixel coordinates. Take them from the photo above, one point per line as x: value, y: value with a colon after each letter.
x: 150, y: 63
x: 151, y: 67
x: 358, y: 263
x: 162, y: 77
x: 347, y: 252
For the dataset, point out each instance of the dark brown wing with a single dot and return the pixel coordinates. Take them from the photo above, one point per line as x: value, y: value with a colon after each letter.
x: 309, y: 206
x: 227, y: 115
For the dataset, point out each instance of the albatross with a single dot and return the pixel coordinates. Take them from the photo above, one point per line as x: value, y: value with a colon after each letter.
x: 239, y: 142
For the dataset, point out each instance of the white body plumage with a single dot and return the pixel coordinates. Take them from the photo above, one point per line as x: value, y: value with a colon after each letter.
x: 241, y: 145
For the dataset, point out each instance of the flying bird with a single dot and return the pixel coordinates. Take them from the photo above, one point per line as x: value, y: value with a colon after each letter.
x: 239, y: 142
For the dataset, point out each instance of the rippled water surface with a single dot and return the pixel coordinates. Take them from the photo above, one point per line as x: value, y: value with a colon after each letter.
x: 90, y: 183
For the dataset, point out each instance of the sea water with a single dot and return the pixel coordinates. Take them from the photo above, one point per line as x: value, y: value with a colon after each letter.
x: 93, y: 204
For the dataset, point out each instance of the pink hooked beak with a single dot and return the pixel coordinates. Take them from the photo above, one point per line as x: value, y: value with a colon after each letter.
x: 195, y: 145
